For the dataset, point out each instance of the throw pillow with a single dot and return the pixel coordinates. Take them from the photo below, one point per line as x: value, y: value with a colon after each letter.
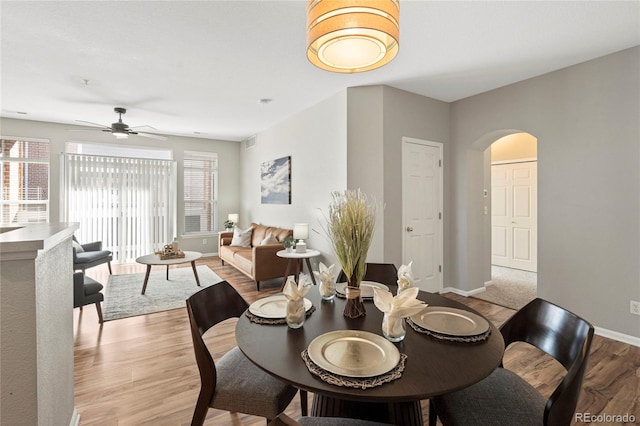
x: 269, y: 239
x: 241, y: 238
x: 77, y: 246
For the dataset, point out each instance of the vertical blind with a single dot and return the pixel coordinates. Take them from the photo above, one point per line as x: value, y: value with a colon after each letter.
x: 127, y: 203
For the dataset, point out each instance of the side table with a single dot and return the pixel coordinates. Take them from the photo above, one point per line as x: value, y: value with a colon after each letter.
x: 296, y: 261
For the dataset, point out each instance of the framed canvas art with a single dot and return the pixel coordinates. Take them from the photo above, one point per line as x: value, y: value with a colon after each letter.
x: 276, y: 181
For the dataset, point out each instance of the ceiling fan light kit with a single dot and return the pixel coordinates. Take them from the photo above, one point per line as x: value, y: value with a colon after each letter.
x: 121, y: 130
x: 349, y: 36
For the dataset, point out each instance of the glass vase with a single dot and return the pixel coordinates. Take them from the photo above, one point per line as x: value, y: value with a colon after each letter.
x: 295, y: 313
x: 393, y: 328
x: 327, y: 289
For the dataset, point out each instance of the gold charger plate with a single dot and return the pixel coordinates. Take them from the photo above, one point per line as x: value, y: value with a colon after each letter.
x: 274, y: 307
x: 353, y: 353
x: 451, y: 321
x: 366, y: 288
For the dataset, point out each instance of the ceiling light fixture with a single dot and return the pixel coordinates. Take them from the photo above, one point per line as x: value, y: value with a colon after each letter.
x: 348, y: 36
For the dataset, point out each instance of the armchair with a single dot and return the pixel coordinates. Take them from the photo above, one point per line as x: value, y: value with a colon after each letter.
x: 88, y: 255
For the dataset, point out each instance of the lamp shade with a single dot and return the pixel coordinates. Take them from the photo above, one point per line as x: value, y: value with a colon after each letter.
x: 233, y: 217
x: 300, y: 231
x: 350, y: 36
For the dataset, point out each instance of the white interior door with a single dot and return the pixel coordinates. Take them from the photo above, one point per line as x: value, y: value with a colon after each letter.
x: 514, y: 233
x: 422, y: 211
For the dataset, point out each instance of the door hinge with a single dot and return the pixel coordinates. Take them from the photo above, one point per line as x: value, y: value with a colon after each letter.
x: 439, y: 163
x: 440, y: 215
x: 439, y: 268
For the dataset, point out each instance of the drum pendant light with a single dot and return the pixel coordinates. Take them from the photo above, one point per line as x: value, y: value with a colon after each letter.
x: 348, y: 36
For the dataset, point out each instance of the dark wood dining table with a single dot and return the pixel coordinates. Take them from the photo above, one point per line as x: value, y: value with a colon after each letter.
x: 433, y: 367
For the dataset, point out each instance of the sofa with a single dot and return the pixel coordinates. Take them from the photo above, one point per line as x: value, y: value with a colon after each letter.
x: 257, y: 259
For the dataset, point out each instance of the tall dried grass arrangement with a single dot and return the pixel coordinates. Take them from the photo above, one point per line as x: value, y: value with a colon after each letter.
x: 350, y: 227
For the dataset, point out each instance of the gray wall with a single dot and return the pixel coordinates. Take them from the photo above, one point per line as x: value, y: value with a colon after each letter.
x: 378, y: 118
x: 586, y: 119
x: 228, y: 172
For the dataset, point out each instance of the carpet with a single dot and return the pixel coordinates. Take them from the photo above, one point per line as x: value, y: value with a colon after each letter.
x: 512, y: 288
x: 122, y: 297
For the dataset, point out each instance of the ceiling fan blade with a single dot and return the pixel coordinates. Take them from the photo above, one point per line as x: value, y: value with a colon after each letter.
x: 145, y: 125
x: 83, y: 130
x: 152, y: 136
x: 93, y: 124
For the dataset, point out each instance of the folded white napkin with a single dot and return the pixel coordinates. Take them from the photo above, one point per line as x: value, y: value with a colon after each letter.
x: 326, y: 274
x: 405, y: 277
x: 327, y: 279
x: 293, y: 291
x: 403, y: 305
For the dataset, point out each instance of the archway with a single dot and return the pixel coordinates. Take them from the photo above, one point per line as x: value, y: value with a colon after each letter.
x: 509, y: 217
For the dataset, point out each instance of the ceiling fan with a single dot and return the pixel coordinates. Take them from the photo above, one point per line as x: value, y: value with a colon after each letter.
x: 122, y: 130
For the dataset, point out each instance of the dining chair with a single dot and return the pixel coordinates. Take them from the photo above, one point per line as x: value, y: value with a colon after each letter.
x: 86, y: 291
x: 385, y: 273
x: 232, y: 383
x: 284, y: 420
x: 504, y: 398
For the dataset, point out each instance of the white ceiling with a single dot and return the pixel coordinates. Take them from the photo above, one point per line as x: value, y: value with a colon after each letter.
x: 202, y: 66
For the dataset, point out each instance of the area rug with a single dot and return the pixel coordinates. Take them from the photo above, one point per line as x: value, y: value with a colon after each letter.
x: 512, y: 288
x: 122, y: 297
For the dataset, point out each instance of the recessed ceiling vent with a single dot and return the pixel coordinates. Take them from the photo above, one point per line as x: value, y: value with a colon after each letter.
x: 250, y: 142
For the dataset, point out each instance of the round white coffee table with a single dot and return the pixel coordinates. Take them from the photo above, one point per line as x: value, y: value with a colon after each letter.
x: 296, y: 259
x: 154, y: 259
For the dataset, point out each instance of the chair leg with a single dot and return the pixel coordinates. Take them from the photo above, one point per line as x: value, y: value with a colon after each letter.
x: 258, y: 285
x: 304, y: 403
x: 433, y: 417
x: 109, y: 265
x: 202, y: 407
x: 99, y: 309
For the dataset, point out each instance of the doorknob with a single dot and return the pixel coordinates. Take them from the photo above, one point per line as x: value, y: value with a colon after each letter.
x: 409, y: 229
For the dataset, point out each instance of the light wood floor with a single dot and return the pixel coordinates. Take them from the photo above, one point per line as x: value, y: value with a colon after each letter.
x: 142, y: 370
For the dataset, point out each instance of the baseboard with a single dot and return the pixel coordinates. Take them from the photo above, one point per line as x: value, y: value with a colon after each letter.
x: 209, y: 254
x: 488, y: 283
x: 462, y: 292
x: 609, y: 334
x: 75, y: 418
x: 620, y: 337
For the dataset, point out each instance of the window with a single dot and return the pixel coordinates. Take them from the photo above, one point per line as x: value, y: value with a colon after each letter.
x: 25, y: 180
x: 128, y: 203
x: 200, y: 192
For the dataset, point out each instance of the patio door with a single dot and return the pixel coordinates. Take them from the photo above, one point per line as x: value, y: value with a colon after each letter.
x: 127, y: 203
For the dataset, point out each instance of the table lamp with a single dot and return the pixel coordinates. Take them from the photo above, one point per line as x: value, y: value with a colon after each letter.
x: 233, y: 217
x: 301, y: 233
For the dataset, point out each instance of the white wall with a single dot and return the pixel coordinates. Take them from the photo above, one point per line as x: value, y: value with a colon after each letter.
x: 586, y: 120
x: 316, y: 140
x: 228, y: 158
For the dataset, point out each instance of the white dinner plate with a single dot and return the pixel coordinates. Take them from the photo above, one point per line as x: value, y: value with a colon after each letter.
x: 366, y: 288
x: 274, y: 306
x: 451, y: 321
x: 354, y: 353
